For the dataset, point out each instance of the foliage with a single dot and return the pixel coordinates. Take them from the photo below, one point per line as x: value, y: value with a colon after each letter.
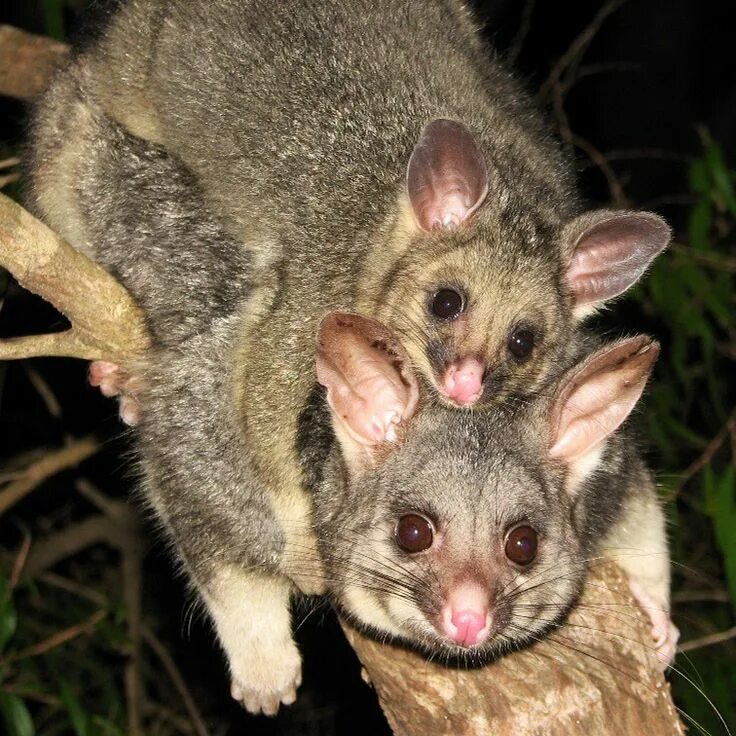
x: 691, y: 422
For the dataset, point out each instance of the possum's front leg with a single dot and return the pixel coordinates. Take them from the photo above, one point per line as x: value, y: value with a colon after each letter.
x: 219, y: 515
x: 638, y: 544
x: 112, y: 380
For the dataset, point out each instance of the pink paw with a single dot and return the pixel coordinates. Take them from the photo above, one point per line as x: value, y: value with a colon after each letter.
x: 664, y: 633
x: 112, y: 380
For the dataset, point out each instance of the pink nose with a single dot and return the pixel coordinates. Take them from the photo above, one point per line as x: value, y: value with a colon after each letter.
x: 465, y: 616
x: 463, y: 381
x: 471, y: 627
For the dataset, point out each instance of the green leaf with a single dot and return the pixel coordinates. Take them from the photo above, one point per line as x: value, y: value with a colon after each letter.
x: 76, y: 713
x: 699, y: 177
x: 8, y: 615
x: 720, y: 176
x: 106, y: 726
x: 720, y: 505
x: 17, y: 719
x: 699, y: 225
x: 53, y: 16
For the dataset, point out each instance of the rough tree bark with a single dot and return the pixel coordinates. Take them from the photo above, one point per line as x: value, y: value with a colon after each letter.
x: 596, y: 675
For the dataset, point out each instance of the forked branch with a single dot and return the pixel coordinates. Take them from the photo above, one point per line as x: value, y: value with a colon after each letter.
x: 106, y: 321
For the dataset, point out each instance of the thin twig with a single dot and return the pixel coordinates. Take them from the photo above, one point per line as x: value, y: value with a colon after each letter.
x: 577, y: 48
x: 131, y: 571
x: 701, y: 596
x: 522, y: 32
x: 712, y: 260
x: 709, y: 640
x: 50, y: 464
x: 707, y: 455
x: 657, y: 154
x: 618, y: 196
x: 20, y: 561
x: 44, y: 391
x: 57, y: 639
x: 8, y: 179
x: 109, y: 507
x: 32, y: 695
x: 8, y: 163
x: 71, y: 586
x: 54, y: 548
x: 170, y: 666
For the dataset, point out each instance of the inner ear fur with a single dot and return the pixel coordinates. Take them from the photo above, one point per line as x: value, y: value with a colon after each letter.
x: 609, y: 251
x: 598, y: 396
x: 447, y: 177
x: 371, y: 387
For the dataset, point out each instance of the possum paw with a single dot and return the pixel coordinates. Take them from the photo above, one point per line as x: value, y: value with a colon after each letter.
x: 112, y: 380
x: 664, y: 633
x: 262, y: 688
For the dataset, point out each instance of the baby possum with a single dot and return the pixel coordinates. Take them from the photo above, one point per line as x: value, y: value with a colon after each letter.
x: 305, y: 158
x: 406, y: 176
x: 473, y: 534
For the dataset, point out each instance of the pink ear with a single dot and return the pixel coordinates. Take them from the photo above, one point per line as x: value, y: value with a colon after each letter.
x: 370, y: 386
x: 611, y: 252
x: 447, y: 179
x: 599, y: 395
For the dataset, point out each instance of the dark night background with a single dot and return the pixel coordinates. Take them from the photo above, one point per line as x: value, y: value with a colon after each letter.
x: 653, y: 97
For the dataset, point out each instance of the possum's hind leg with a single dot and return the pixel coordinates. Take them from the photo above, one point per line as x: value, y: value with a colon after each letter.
x: 139, y: 212
x: 135, y: 209
x: 638, y: 544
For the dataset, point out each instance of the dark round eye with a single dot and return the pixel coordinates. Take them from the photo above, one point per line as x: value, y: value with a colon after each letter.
x: 521, y: 343
x: 447, y: 304
x: 521, y: 545
x: 414, y: 533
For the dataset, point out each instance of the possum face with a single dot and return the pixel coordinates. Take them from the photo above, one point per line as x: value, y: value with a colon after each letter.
x: 478, y: 318
x: 459, y: 535
x: 482, y: 301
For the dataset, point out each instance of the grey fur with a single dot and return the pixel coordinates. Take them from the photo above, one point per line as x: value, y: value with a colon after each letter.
x: 475, y: 475
x: 240, y: 167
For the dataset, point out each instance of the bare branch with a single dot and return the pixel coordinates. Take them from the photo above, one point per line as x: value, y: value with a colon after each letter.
x: 45, y: 467
x: 27, y: 62
x: 577, y: 48
x: 523, y: 31
x: 106, y: 321
x: 706, y: 641
x: 57, y: 639
x: 176, y: 678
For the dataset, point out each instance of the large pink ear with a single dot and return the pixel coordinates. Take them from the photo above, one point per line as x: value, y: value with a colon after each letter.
x: 371, y: 388
x: 598, y: 396
x: 447, y: 178
x: 611, y: 251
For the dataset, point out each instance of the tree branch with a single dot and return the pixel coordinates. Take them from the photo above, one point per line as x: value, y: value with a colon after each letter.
x: 38, y: 471
x: 93, y: 301
x: 597, y: 674
x: 27, y: 62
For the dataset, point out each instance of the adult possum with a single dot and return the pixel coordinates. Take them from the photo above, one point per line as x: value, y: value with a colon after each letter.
x: 474, y: 534
x: 369, y: 156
